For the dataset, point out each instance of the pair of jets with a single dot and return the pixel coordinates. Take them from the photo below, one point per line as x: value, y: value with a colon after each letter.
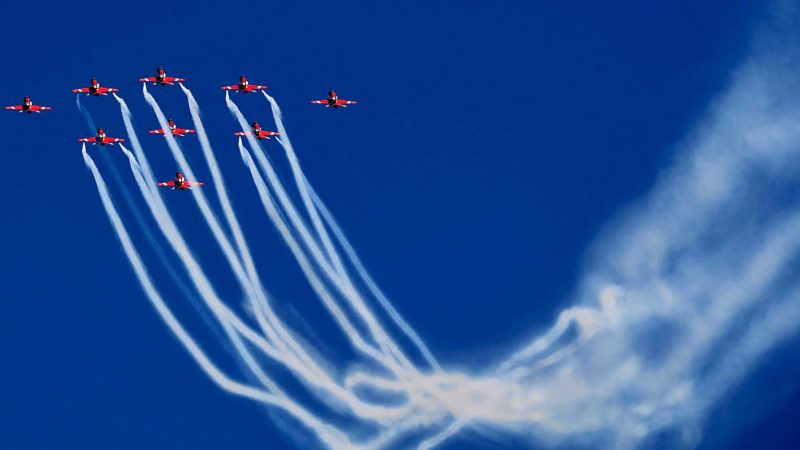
x: 94, y: 89
x: 255, y: 130
x: 102, y: 139
x: 162, y: 79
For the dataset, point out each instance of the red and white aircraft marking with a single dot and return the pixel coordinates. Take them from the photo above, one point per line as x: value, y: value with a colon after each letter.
x: 175, y: 130
x: 161, y: 78
x: 244, y: 86
x: 333, y: 101
x: 257, y: 132
x: 28, y: 107
x: 101, y: 139
x: 180, y: 182
x: 95, y: 89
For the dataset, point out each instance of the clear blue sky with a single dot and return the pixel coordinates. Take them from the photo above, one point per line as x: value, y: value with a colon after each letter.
x: 491, y: 143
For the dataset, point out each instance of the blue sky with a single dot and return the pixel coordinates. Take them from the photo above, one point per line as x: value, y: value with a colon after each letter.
x: 492, y: 143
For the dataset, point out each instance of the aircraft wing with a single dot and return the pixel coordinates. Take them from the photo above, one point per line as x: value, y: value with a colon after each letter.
x: 342, y: 103
x: 254, y: 87
x: 105, y: 90
x: 15, y: 107
x: 249, y: 88
x: 182, y: 131
x: 167, y: 183
x: 98, y: 91
x: 195, y: 183
x: 345, y: 102
x: 110, y: 140
x: 156, y: 131
x: 91, y: 139
x: 267, y: 134
x: 167, y: 80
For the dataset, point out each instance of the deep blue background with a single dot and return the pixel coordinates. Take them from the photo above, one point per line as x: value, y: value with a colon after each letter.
x: 491, y: 142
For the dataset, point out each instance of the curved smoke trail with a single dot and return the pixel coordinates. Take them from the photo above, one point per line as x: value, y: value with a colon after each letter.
x: 683, y: 295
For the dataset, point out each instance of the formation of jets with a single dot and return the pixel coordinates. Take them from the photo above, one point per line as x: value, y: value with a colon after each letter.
x: 161, y: 79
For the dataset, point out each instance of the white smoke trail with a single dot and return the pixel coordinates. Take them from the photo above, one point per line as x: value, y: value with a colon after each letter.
x: 338, y: 314
x: 259, y: 292
x: 312, y: 202
x: 313, y: 377
x: 86, y: 116
x: 228, y: 318
x: 303, y: 261
x: 676, y: 280
x: 347, y: 287
x: 201, y: 283
x: 373, y: 287
x: 325, y: 433
x: 294, y: 163
x: 295, y: 347
x: 207, y: 213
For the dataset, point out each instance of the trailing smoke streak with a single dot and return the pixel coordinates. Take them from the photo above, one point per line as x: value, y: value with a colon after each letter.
x: 323, y: 382
x: 211, y: 299
x: 338, y: 314
x: 312, y: 205
x: 217, y: 177
x: 146, y: 229
x: 283, y: 139
x: 302, y: 260
x: 150, y: 193
x: 167, y: 262
x: 208, y: 215
x: 325, y: 433
x: 367, y: 278
x: 285, y: 337
x: 86, y: 115
x: 355, y: 298
x: 225, y: 316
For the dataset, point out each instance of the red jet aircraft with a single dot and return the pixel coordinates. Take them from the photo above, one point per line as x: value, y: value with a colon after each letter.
x: 161, y: 79
x: 95, y: 89
x: 28, y: 107
x: 333, y: 101
x: 257, y: 132
x: 101, y: 139
x: 244, y: 86
x: 180, y: 182
x: 175, y: 130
